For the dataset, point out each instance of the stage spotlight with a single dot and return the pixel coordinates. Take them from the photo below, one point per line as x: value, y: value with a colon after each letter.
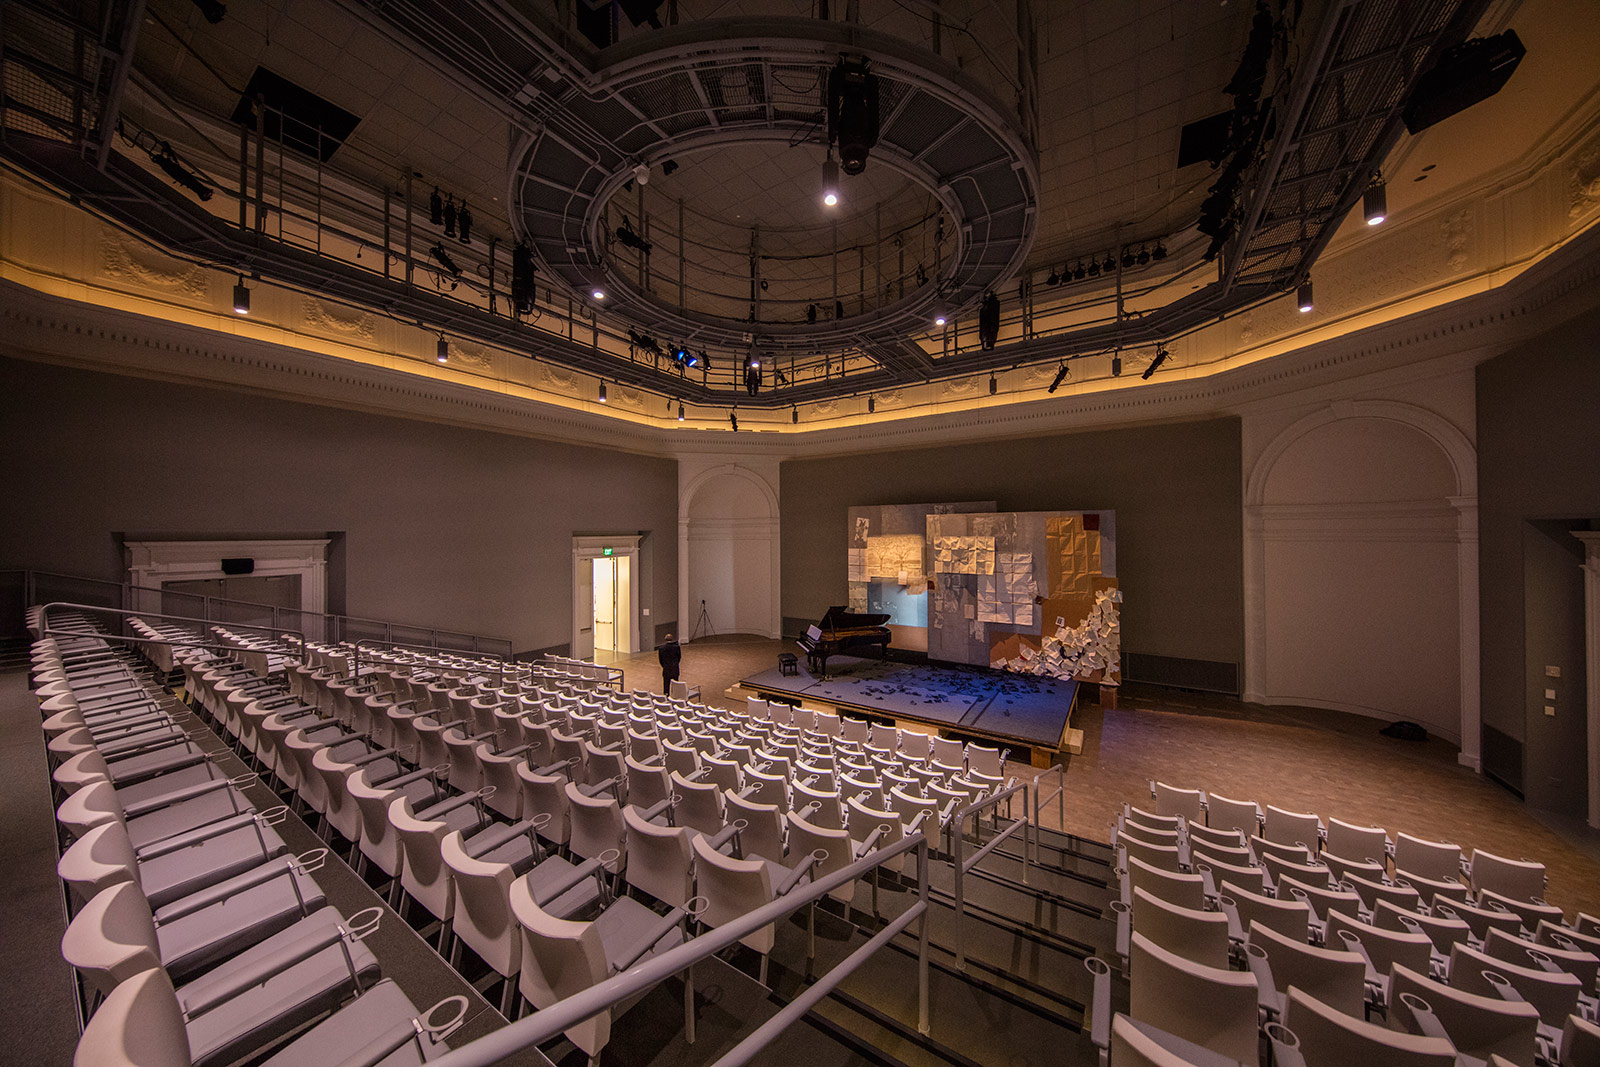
x: 630, y: 239
x: 852, y: 108
x: 794, y: 416
x: 450, y: 216
x: 1143, y: 257
x: 1078, y: 272
x: 1116, y: 365
x: 1160, y: 252
x: 436, y: 208
x: 441, y: 351
x: 700, y: 359
x: 1094, y: 268
x: 641, y: 174
x: 811, y: 313
x: 667, y: 167
x: 1128, y: 258
x: 994, y: 384
x: 680, y: 411
x: 939, y: 319
x: 989, y: 321
x: 444, y: 260
x: 838, y: 309
x: 464, y: 223
x: 1375, y: 203
x: 1109, y: 266
x: 1061, y: 376
x: 241, y: 297
x: 733, y: 420
x: 1054, y: 278
x: 213, y: 10
x: 597, y: 293
x: 1161, y: 357
x: 778, y: 377
x: 830, y: 181
x: 164, y: 157
x: 522, y: 270
x: 602, y: 397
x: 872, y: 404
x: 752, y: 374
x: 1305, y: 301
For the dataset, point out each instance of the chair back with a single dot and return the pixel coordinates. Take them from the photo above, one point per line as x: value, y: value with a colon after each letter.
x: 99, y: 859
x: 1369, y: 843
x: 1199, y: 936
x: 1436, y: 860
x: 1289, y: 918
x: 596, y: 826
x: 1189, y: 804
x: 139, y: 1025
x: 560, y: 959
x: 658, y: 859
x: 112, y: 938
x: 763, y: 832
x: 483, y: 905
x: 1477, y: 1026
x: 1337, y: 978
x: 806, y: 838
x: 1330, y: 1038
x: 1224, y: 813
x: 1212, y: 1007
x: 1520, y: 880
x: 733, y: 888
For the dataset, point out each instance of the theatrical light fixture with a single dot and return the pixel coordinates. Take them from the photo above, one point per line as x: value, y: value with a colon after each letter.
x: 436, y: 208
x: 450, y: 216
x: 939, y: 319
x: 852, y: 110
x: 830, y: 180
x: 241, y: 297
x: 1116, y: 365
x: 1110, y: 265
x: 1078, y: 272
x: 794, y: 416
x: 1161, y: 357
x: 162, y: 155
x: 1054, y: 278
x: 441, y: 351
x: 988, y: 321
x: 214, y: 10
x: 522, y: 274
x: 1061, y: 376
x: 1143, y: 257
x: 630, y: 239
x: 680, y: 411
x: 1160, y: 252
x: 443, y: 259
x: 1375, y: 203
x: 1305, y: 301
x: 602, y: 392
x: 598, y: 293
x: 641, y: 174
x: 667, y: 167
x: 994, y: 384
x: 1128, y: 258
x: 733, y: 420
x: 1094, y: 268
x: 811, y: 313
x: 872, y: 404
x: 464, y: 223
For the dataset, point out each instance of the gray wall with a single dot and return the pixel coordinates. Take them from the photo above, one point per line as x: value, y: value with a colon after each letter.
x: 1176, y: 489
x: 435, y: 525
x: 1538, y: 475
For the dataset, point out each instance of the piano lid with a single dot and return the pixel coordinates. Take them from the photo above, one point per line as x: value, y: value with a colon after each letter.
x: 839, y: 618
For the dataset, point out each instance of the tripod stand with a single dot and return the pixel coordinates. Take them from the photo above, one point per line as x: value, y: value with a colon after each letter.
x: 703, y: 623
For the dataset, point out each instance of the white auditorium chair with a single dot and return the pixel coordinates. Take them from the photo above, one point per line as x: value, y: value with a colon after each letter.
x: 1246, y: 908
x: 1335, y: 977
x: 1212, y: 1007
x: 1476, y: 1025
x: 1196, y: 935
x: 1328, y: 1037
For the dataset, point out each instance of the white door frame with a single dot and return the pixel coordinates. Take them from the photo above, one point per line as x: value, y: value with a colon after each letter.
x: 590, y: 547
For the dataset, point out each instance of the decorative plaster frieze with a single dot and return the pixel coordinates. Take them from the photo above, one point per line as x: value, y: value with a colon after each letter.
x: 126, y: 260
x: 336, y: 318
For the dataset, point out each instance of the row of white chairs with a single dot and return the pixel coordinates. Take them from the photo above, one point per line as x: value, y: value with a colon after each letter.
x: 206, y: 941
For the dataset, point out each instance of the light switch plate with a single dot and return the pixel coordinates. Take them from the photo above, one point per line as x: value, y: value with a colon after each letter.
x: 1549, y: 709
x: 1549, y: 694
x: 647, y: 615
x: 1552, y: 672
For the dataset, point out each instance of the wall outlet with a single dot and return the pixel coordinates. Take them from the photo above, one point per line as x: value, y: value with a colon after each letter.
x: 1552, y: 672
x: 1549, y: 694
x: 1549, y: 709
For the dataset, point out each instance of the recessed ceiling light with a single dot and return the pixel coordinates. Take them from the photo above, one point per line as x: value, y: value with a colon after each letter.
x: 599, y: 294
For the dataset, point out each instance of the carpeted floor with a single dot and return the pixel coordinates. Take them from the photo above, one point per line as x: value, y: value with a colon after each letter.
x: 1333, y: 763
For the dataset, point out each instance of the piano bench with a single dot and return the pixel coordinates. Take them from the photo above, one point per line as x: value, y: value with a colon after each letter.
x: 787, y: 664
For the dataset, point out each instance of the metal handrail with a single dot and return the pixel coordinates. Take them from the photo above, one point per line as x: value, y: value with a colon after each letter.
x: 1060, y: 796
x: 963, y: 864
x: 46, y: 631
x: 548, y: 1022
x: 44, y: 614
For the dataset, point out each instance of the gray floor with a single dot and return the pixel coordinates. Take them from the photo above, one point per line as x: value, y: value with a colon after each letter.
x: 39, y: 1015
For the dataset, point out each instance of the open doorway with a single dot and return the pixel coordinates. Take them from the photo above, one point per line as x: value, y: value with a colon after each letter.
x: 613, y: 608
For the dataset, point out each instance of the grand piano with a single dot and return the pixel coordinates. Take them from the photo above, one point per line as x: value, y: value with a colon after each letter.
x: 842, y: 630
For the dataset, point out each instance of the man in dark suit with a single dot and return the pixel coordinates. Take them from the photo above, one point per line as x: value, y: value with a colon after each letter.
x: 671, y: 655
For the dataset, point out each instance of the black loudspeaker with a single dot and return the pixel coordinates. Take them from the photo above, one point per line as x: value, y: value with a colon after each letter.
x: 1466, y: 74
x: 239, y: 565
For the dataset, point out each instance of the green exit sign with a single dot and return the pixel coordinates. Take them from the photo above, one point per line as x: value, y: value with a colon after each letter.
x: 606, y: 551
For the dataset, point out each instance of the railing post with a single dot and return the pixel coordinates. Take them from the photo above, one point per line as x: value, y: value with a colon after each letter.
x: 1027, y: 793
x: 924, y: 1026
x: 959, y: 841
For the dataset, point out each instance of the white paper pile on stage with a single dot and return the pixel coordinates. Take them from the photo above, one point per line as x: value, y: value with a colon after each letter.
x: 1077, y: 652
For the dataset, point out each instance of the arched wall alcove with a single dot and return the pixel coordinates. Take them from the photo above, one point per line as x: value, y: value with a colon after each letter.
x: 728, y: 542
x: 1361, y: 557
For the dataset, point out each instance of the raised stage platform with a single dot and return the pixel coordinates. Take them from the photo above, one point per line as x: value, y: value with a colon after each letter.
x: 1013, y: 709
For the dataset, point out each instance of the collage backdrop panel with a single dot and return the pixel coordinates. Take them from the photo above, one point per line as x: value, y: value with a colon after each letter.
x: 889, y: 565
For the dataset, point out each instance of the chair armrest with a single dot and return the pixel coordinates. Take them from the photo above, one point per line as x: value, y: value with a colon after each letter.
x: 1261, y: 969
x: 489, y: 840
x: 1100, y: 1004
x: 177, y: 796
x: 630, y: 955
x: 586, y: 869
x: 263, y: 874
x: 444, y: 807
x: 278, y: 962
x: 413, y: 776
x: 199, y: 834
x: 1285, y: 1046
x: 371, y: 757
